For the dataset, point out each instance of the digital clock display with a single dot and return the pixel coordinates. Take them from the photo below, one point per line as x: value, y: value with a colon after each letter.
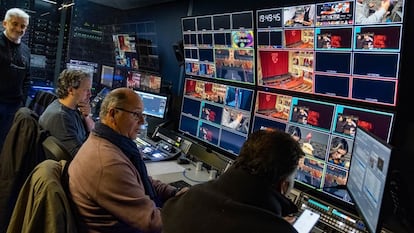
x: 269, y: 18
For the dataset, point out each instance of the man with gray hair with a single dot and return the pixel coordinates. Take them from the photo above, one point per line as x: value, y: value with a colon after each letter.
x: 14, y: 66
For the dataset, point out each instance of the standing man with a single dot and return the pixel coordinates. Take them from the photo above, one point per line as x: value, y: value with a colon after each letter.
x: 14, y: 66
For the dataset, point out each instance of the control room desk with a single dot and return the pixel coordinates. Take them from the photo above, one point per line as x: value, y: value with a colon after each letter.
x: 171, y: 171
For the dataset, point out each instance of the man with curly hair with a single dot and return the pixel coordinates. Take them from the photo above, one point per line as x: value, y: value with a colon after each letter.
x: 68, y: 118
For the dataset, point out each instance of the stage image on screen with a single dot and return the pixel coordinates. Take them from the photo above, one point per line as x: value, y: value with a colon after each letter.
x: 283, y: 69
x: 324, y: 49
x: 148, y: 81
x: 217, y: 114
x: 347, y: 119
x: 134, y: 79
x: 220, y: 46
x: 273, y: 105
x: 314, y: 114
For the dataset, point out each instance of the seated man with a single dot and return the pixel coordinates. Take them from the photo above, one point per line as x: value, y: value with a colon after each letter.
x: 108, y: 180
x: 249, y: 197
x: 68, y: 117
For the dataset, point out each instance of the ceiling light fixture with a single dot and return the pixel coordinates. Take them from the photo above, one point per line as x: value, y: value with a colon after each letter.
x: 48, y: 1
x: 64, y: 6
x: 44, y: 14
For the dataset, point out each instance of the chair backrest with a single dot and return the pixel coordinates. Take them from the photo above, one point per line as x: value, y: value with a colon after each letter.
x: 41, y: 100
x: 43, y: 204
x: 21, y: 152
x: 55, y: 150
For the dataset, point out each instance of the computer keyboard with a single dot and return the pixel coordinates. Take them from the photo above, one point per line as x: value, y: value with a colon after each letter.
x: 180, y: 184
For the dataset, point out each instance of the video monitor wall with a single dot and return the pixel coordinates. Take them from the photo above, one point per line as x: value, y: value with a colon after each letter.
x: 220, y: 46
x: 322, y: 70
x: 325, y: 130
x: 216, y: 114
x: 332, y: 49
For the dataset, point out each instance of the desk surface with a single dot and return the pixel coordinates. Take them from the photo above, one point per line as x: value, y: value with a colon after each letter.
x: 170, y: 171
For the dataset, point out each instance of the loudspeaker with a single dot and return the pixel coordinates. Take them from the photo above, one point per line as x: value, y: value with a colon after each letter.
x: 179, y: 52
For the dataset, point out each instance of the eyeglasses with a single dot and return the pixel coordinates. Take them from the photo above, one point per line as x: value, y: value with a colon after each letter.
x: 137, y: 115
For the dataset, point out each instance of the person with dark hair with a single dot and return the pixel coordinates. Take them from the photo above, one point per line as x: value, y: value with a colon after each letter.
x: 249, y: 197
x: 68, y: 118
x: 295, y: 132
x: 14, y: 66
x: 339, y: 148
x: 108, y: 179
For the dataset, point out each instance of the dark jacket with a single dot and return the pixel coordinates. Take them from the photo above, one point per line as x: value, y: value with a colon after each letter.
x: 43, y: 205
x: 15, y: 71
x: 235, y: 202
x: 21, y: 152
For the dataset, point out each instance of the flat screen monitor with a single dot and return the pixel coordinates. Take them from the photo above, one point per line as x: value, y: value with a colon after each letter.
x: 92, y: 66
x: 155, y: 105
x: 107, y: 76
x: 367, y: 177
x: 86, y: 68
x: 216, y: 114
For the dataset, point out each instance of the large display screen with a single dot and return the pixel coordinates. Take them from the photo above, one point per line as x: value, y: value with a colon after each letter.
x: 326, y: 132
x: 155, y: 105
x: 319, y: 71
x: 368, y: 174
x: 220, y: 46
x: 217, y: 114
x: 338, y: 49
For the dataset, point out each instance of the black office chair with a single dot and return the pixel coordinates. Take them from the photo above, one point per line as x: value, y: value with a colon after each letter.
x: 41, y: 100
x: 55, y: 150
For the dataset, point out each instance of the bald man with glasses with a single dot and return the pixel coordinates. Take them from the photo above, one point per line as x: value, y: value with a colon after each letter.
x: 108, y: 180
